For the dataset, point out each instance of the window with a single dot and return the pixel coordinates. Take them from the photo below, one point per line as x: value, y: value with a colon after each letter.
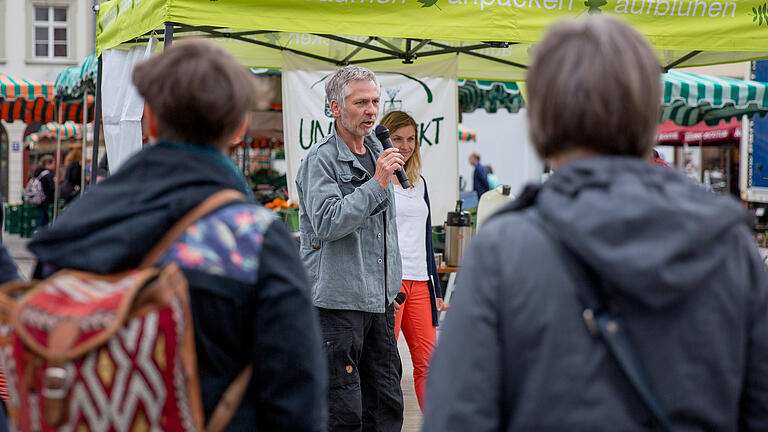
x: 51, y: 36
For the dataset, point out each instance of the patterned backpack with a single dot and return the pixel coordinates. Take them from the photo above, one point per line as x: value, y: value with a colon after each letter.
x: 34, y: 194
x: 87, y: 352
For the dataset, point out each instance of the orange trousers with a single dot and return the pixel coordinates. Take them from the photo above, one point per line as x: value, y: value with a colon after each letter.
x: 415, y: 319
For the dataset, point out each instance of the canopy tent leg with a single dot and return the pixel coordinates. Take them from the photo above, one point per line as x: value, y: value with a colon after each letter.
x: 96, y: 123
x: 168, y: 38
x: 85, y: 142
x: 56, y: 188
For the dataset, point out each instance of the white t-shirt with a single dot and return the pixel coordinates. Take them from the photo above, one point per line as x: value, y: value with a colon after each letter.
x: 412, y: 230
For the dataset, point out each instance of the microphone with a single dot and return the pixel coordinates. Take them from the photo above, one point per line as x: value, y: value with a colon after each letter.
x: 382, y: 133
x: 400, y: 298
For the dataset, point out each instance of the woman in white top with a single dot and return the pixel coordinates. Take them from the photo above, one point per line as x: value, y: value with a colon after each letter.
x: 417, y: 316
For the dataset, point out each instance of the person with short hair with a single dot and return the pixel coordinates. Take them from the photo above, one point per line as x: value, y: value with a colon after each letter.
x: 479, y: 176
x: 349, y: 245
x: 45, y: 172
x: 249, y: 293
x: 676, y: 263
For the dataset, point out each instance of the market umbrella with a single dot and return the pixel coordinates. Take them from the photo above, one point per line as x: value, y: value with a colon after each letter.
x: 13, y: 87
x: 68, y: 130
x: 75, y: 81
x: 78, y: 84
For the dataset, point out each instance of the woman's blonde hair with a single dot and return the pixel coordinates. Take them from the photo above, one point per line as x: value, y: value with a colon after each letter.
x: 395, y: 120
x: 73, y: 155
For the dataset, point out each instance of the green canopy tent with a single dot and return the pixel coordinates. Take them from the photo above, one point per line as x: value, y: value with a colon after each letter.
x: 492, y: 38
x: 79, y: 83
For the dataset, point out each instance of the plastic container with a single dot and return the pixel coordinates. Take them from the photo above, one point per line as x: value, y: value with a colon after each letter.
x: 492, y: 201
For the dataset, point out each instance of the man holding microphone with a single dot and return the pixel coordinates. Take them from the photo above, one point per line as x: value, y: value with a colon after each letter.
x: 349, y: 246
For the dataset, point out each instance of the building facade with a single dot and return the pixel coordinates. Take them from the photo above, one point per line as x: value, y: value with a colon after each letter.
x: 38, y: 38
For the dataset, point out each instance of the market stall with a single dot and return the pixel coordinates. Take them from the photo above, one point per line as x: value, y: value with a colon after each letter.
x: 495, y: 43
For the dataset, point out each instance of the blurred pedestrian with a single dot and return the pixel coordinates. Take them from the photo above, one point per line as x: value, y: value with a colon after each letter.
x: 480, y: 175
x: 250, y: 298
x: 658, y: 160
x: 44, y: 175
x: 417, y: 316
x: 70, y: 186
x: 493, y: 181
x: 609, y: 246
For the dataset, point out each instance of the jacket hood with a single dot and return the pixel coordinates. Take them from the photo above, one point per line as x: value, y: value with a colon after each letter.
x: 651, y: 232
x: 117, y: 222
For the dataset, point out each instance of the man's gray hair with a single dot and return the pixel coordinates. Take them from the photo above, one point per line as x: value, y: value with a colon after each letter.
x: 337, y: 87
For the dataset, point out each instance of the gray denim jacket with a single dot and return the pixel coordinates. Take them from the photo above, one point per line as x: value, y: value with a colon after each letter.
x: 348, y: 229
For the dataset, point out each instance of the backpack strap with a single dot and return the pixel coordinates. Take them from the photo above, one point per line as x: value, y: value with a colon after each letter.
x: 233, y: 395
x: 230, y: 401
x: 604, y: 324
x: 210, y: 204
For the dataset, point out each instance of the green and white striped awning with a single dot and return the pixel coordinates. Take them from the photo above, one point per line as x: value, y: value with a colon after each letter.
x: 489, y: 95
x: 689, y: 99
x: 75, y: 81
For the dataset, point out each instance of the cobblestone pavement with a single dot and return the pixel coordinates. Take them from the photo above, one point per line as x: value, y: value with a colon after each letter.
x: 17, y: 247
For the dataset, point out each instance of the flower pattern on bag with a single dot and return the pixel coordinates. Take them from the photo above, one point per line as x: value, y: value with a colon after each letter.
x: 226, y: 242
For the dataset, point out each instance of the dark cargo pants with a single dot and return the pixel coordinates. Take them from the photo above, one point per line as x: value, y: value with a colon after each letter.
x: 364, y: 370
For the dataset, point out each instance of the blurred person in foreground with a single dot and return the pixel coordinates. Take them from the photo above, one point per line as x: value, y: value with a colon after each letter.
x: 249, y: 293
x: 680, y: 265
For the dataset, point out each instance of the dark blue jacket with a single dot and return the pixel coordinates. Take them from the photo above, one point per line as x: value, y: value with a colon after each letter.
x: 434, y: 277
x: 480, y: 180
x: 683, y: 271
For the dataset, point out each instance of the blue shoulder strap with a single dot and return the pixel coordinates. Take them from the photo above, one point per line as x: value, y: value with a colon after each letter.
x: 606, y: 325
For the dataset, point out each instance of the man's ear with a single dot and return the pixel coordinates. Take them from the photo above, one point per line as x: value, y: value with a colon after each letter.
x: 335, y: 109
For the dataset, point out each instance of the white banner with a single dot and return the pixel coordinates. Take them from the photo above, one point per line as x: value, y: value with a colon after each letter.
x: 428, y: 92
x: 122, y: 106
